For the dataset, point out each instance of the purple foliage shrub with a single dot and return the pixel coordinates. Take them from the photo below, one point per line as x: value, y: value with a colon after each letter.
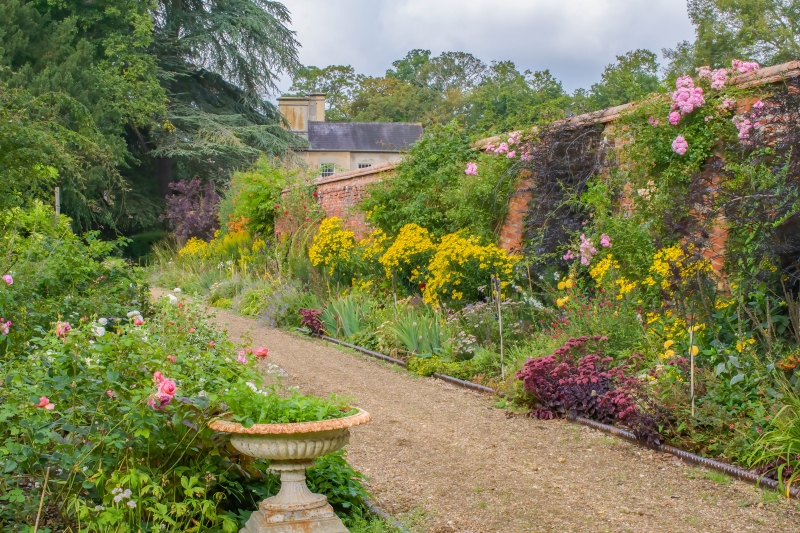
x: 192, y: 211
x: 310, y: 319
x: 571, y: 382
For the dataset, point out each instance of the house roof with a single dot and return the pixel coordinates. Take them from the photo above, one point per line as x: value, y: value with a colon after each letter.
x: 363, y: 136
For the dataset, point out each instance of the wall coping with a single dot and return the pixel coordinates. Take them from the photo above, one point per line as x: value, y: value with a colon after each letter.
x: 762, y: 76
x: 350, y: 174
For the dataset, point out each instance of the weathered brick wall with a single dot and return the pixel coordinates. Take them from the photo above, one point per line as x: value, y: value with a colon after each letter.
x: 340, y: 194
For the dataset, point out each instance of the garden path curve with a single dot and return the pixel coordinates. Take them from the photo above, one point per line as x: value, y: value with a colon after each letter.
x: 442, y: 459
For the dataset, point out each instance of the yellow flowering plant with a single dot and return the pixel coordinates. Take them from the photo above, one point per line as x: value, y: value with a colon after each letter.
x: 407, y: 257
x: 461, y: 265
x: 333, y: 248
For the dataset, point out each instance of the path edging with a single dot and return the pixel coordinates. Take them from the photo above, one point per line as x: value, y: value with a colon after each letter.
x: 688, y: 457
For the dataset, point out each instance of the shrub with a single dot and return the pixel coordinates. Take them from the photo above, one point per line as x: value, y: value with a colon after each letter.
x: 192, y: 212
x: 332, y: 248
x: 572, y: 382
x: 310, y: 319
x: 406, y: 258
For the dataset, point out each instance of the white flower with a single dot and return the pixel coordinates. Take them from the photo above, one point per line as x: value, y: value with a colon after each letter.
x: 172, y: 298
x: 118, y: 498
x: 102, y: 321
x: 134, y: 313
x: 99, y: 331
x: 202, y: 394
x: 127, y: 493
x: 99, y: 508
x: 176, y: 289
x: 132, y: 504
x: 557, y: 276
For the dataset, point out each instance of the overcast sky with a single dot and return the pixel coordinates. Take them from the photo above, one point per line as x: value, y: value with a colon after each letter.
x: 575, y: 39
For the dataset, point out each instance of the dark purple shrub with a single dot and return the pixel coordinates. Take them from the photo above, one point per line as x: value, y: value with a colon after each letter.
x: 192, y: 212
x: 310, y: 319
x: 571, y: 382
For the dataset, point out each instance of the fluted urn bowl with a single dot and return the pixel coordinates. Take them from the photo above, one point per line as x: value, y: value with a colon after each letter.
x: 291, y: 448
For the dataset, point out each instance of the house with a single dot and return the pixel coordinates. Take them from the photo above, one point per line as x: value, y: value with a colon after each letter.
x: 343, y: 146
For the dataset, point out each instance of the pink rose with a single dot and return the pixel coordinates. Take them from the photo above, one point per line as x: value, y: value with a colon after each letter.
x: 242, y: 359
x: 62, y: 329
x: 512, y: 154
x: 191, y: 330
x: 674, y: 118
x: 138, y: 321
x: 43, y: 401
x: 679, y: 145
x: 159, y: 401
x: 472, y: 169
x: 703, y: 72
x: 50, y: 406
x: 653, y: 121
x: 158, y: 377
x: 569, y: 256
x: 502, y: 149
x: 719, y: 78
x: 171, y: 359
x: 167, y: 388
x: 110, y: 393
x: 261, y: 352
x: 5, y: 326
x: 605, y: 241
x: 8, y: 279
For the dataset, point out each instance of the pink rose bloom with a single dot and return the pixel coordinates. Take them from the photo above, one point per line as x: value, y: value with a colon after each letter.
x: 62, y: 328
x: 526, y: 156
x: 512, y: 154
x: 674, y: 118
x: 158, y: 377
x: 489, y: 147
x: 569, y: 256
x: 653, y: 121
x: 587, y: 250
x: 744, y: 126
x: 605, y: 241
x: 5, y: 326
x: 171, y: 359
x: 719, y: 78
x: 110, y: 393
x: 8, y: 279
x: 684, y: 82
x: 50, y: 406
x: 242, y: 359
x: 708, y: 118
x: 159, y: 401
x: 472, y: 169
x: 703, y: 72
x: 191, y: 330
x: 502, y: 149
x: 679, y: 145
x: 514, y: 137
x: 758, y: 106
x: 43, y: 401
x: 728, y: 103
x: 167, y: 388
x: 744, y: 66
x: 261, y: 352
x: 138, y: 321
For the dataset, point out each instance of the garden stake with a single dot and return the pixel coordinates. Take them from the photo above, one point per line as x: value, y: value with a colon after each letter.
x: 691, y: 358
x: 41, y: 500
x: 496, y: 281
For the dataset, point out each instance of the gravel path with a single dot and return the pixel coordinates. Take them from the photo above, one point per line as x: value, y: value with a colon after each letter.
x: 442, y: 459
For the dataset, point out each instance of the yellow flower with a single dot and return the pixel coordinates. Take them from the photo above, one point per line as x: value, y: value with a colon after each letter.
x: 332, y: 245
x: 568, y: 284
x: 561, y: 302
x: 668, y: 344
x: 694, y: 351
x: 669, y: 353
x: 561, y: 285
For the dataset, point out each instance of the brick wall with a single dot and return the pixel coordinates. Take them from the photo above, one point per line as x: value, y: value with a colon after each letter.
x: 340, y: 194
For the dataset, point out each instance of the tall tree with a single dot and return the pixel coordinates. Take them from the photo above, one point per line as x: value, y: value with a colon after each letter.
x: 336, y: 81
x: 764, y: 30
x: 632, y: 77
x: 219, y: 60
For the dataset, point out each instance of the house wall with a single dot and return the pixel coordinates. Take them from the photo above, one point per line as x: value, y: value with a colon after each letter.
x: 346, y: 161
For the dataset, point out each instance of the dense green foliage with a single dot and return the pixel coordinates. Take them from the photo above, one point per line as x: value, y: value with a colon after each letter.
x: 430, y: 188
x: 108, y: 396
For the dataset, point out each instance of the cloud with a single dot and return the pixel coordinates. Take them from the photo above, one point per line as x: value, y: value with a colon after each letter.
x: 575, y: 39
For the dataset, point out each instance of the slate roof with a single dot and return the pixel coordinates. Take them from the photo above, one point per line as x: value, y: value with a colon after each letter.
x: 363, y: 136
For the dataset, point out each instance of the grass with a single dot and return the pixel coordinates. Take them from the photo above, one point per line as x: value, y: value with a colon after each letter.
x: 370, y: 524
x: 717, y: 477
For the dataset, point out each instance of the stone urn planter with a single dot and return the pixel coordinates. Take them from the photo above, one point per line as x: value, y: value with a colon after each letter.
x: 291, y: 448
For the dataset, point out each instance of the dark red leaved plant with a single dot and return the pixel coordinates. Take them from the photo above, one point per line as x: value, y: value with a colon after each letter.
x: 310, y: 319
x: 572, y: 382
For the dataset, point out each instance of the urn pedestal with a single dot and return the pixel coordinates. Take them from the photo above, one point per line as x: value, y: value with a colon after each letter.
x: 291, y: 449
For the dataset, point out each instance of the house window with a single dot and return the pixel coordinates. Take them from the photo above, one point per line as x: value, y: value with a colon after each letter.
x: 364, y: 165
x: 327, y: 169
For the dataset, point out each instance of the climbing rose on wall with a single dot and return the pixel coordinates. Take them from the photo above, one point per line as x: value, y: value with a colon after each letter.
x: 674, y: 118
x: 744, y: 66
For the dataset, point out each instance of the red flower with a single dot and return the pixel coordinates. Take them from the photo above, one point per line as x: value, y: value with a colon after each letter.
x: 422, y: 286
x: 315, y: 194
x: 277, y: 206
